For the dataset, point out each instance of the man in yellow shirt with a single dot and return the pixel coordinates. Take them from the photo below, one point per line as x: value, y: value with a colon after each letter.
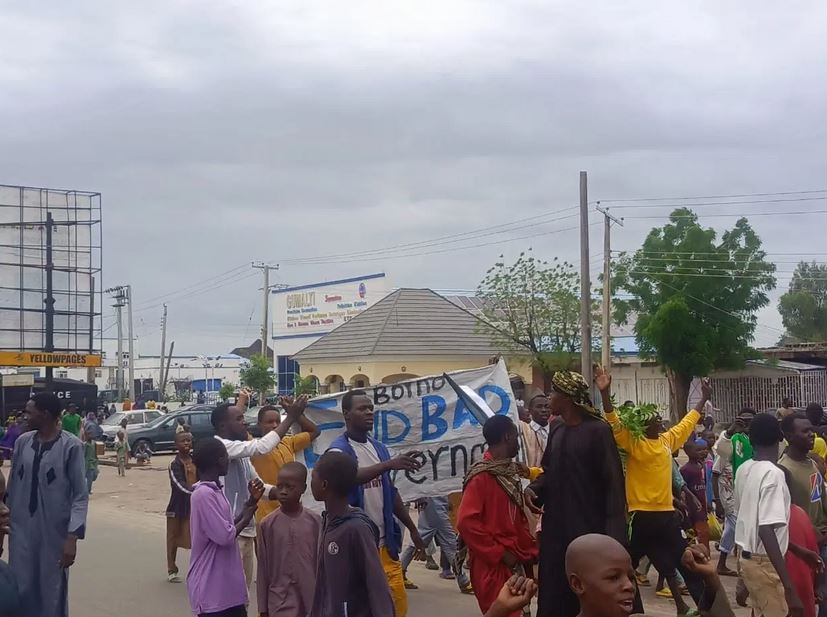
x: 268, y: 465
x: 655, y: 530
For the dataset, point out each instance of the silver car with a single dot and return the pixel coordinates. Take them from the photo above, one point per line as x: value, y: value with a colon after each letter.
x: 134, y: 419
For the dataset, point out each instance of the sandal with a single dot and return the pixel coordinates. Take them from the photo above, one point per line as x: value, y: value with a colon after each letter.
x: 467, y: 590
x: 664, y: 593
x: 410, y: 585
x: 642, y: 580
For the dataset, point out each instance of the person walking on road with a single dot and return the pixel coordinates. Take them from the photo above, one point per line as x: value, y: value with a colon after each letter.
x: 376, y: 493
x: 581, y: 486
x: 492, y: 521
x: 48, y: 499
x: 182, y: 477
x: 215, y: 582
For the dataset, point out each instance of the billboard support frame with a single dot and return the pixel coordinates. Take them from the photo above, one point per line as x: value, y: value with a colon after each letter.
x: 59, y: 233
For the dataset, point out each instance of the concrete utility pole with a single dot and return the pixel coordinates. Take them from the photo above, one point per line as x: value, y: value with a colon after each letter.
x: 163, y: 351
x: 265, y: 326
x: 130, y: 391
x: 606, y: 345
x: 585, y: 284
x: 119, y: 297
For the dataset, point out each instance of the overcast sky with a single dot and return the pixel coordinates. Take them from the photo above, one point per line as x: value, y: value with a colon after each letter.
x: 223, y: 133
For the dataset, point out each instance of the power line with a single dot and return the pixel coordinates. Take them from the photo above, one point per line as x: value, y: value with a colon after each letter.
x: 645, y: 199
x: 193, y: 285
x: 450, y: 250
x: 640, y: 251
x: 463, y: 236
x: 750, y: 214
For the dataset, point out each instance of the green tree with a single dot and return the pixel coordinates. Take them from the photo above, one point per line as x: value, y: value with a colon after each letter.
x: 694, y: 297
x: 258, y: 375
x: 804, y: 307
x: 308, y: 385
x: 226, y: 391
x: 533, y: 306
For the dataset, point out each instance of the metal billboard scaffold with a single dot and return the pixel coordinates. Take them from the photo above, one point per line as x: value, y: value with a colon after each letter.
x: 51, y: 257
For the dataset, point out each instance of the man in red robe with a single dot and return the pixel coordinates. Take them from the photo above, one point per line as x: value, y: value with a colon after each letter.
x: 492, y: 520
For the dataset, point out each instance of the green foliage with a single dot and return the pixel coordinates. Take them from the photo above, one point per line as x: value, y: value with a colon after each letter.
x: 695, y: 297
x: 804, y: 307
x: 226, y: 391
x: 258, y: 376
x: 533, y: 305
x: 635, y: 418
x: 308, y: 385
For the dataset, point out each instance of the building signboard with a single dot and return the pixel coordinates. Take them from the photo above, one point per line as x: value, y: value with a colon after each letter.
x: 44, y: 358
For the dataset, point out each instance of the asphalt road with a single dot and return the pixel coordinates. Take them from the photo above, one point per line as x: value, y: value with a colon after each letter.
x: 121, y: 565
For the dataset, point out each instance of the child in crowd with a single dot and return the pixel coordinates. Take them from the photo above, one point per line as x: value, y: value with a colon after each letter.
x: 216, y: 582
x: 350, y: 579
x: 182, y: 475
x: 694, y: 474
x: 90, y: 457
x: 121, y: 452
x: 288, y: 540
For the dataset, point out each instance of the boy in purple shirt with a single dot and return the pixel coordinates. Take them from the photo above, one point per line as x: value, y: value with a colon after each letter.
x: 216, y: 583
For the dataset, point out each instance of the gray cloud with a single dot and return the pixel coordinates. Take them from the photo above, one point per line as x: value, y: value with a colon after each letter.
x: 220, y: 134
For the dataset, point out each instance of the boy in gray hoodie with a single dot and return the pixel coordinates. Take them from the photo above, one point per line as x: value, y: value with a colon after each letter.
x: 350, y: 580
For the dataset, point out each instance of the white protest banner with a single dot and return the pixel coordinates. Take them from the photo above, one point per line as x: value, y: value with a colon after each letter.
x: 426, y: 415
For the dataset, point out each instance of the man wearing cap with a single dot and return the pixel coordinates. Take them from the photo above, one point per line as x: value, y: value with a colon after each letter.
x: 582, y: 487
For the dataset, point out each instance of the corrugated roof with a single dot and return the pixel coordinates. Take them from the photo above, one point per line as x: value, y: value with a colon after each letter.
x: 408, y: 322
x: 786, y: 365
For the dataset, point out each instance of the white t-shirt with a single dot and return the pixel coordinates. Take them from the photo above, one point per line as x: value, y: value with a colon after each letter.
x: 761, y: 498
x: 366, y: 456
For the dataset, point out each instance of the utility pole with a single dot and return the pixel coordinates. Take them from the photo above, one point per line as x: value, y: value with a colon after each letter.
x: 119, y: 297
x: 166, y: 372
x: 49, y: 343
x: 265, y: 326
x: 585, y: 284
x: 163, y: 350
x: 131, y: 389
x: 608, y: 219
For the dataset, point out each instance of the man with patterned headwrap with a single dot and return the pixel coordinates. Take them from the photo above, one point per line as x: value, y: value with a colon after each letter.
x: 582, y: 488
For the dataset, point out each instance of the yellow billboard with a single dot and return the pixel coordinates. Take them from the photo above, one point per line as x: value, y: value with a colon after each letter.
x: 48, y: 358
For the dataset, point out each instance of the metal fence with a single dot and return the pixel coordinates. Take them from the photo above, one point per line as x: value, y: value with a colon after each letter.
x: 763, y: 393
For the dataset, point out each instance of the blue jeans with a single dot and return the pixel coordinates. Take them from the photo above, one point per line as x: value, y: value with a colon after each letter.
x: 727, y: 543
x: 435, y: 524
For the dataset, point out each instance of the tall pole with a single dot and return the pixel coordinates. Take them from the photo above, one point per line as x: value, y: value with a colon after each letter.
x: 265, y: 313
x: 49, y: 343
x: 166, y: 372
x: 163, y: 350
x: 585, y: 284
x: 131, y: 389
x: 606, y: 345
x: 119, y: 316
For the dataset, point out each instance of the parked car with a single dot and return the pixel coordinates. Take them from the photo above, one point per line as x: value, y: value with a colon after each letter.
x: 159, y: 435
x: 134, y: 419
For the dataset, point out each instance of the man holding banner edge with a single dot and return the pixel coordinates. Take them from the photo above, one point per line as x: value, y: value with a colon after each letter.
x: 375, y: 492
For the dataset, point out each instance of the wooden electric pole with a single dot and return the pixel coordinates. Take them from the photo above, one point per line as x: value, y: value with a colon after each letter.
x: 585, y: 284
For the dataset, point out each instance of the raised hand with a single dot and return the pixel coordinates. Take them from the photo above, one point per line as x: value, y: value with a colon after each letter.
x: 294, y: 407
x: 602, y: 379
x: 706, y: 391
